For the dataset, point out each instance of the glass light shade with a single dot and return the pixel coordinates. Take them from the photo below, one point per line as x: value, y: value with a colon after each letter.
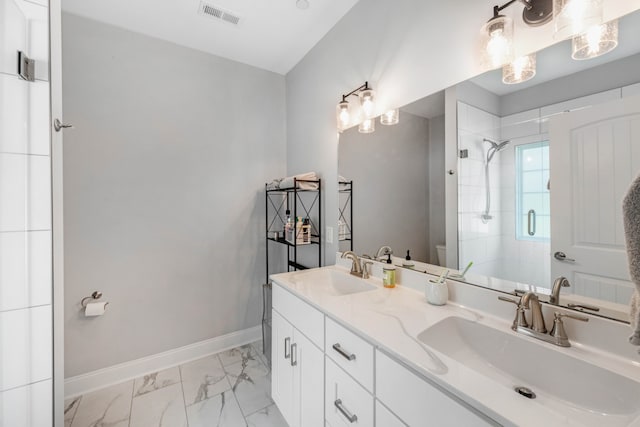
x: 497, y: 41
x: 367, y: 126
x: 368, y: 102
x: 520, y: 70
x: 391, y: 117
x: 596, y: 41
x: 343, y: 116
x: 574, y: 17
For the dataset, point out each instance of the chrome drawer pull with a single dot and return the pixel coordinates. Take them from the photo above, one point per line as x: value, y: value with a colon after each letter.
x: 348, y: 415
x: 286, y: 345
x: 343, y: 353
x: 294, y: 361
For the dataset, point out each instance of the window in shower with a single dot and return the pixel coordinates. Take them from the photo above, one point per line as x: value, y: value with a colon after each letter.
x: 533, y: 212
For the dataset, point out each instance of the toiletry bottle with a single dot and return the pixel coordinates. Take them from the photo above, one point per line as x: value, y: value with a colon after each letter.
x: 299, y: 231
x: 288, y: 225
x: 408, y: 263
x: 389, y: 274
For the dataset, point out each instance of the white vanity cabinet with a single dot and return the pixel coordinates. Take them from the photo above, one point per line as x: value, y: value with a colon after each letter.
x: 418, y: 403
x: 297, y: 376
x: 324, y: 374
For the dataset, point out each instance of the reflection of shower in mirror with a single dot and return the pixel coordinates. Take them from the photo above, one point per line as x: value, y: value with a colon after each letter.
x: 495, y: 147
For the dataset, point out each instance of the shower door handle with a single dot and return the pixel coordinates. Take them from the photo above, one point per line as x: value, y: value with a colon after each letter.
x: 531, y: 222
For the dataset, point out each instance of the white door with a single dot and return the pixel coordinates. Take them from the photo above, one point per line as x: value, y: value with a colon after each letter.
x: 594, y: 156
x: 308, y: 381
x: 281, y: 369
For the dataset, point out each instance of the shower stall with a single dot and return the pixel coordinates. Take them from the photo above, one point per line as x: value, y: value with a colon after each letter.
x: 503, y: 200
x: 27, y: 363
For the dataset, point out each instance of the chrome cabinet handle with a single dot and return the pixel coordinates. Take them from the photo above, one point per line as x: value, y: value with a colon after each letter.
x: 58, y: 125
x: 531, y: 222
x: 348, y: 415
x: 343, y: 353
x: 561, y: 256
x: 294, y: 359
x: 286, y: 345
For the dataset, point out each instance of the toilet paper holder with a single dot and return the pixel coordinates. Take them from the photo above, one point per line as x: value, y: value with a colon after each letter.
x: 96, y: 295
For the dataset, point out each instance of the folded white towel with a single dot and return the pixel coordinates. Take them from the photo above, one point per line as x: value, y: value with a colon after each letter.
x: 309, y: 176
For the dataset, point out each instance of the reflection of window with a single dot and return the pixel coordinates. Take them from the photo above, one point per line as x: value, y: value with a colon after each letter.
x: 533, y: 213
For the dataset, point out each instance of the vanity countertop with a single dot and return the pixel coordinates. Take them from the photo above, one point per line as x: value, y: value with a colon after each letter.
x: 392, y: 319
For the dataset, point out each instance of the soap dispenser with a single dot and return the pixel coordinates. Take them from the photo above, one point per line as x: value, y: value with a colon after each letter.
x: 408, y: 263
x: 389, y: 274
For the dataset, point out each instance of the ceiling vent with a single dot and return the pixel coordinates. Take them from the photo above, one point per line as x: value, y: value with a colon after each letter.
x: 215, y: 12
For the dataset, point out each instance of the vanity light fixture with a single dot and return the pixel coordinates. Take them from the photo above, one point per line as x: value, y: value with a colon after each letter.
x: 367, y: 97
x: 367, y: 126
x: 391, y: 117
x: 498, y: 31
x: 573, y: 17
x: 343, y: 116
x: 520, y: 70
x: 597, y: 41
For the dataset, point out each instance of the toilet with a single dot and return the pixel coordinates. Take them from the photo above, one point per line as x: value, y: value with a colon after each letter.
x: 442, y: 255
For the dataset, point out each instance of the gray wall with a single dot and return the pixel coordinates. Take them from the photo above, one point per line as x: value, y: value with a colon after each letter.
x: 390, y: 171
x: 163, y: 200
x: 437, y: 216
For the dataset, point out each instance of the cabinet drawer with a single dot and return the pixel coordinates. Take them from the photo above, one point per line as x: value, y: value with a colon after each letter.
x: 304, y: 317
x: 414, y: 400
x: 384, y: 417
x: 350, y: 352
x: 347, y: 403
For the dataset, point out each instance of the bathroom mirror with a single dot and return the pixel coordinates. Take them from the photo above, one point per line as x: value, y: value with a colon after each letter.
x: 543, y: 167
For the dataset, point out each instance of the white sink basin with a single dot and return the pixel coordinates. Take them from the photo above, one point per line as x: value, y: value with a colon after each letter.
x: 334, y: 282
x: 514, y: 361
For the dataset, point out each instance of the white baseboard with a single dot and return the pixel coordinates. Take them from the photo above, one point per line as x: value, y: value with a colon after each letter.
x: 101, y: 378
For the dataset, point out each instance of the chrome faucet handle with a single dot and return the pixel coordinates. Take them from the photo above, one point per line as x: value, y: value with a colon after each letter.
x: 366, y: 273
x: 558, y: 331
x: 520, y: 319
x: 501, y: 298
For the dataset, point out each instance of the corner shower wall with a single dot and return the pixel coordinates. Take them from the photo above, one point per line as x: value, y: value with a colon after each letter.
x: 525, y: 261
x: 25, y: 219
x: 478, y: 241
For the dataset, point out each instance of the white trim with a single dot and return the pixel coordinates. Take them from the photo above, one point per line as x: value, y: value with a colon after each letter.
x: 101, y: 378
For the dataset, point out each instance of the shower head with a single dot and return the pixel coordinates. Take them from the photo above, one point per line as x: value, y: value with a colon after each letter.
x: 495, y: 145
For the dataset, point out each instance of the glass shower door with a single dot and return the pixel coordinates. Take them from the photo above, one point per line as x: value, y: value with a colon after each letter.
x: 25, y: 216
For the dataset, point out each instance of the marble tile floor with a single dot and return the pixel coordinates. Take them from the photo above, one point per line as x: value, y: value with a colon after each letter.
x: 228, y: 389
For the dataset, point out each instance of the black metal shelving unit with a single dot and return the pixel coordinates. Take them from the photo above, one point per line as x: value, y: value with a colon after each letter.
x: 345, y: 196
x: 300, y: 202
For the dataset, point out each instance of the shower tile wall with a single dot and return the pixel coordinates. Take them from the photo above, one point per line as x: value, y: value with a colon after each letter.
x: 478, y: 242
x: 25, y: 220
x: 524, y: 261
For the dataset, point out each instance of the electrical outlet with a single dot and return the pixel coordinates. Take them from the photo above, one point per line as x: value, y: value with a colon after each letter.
x: 329, y: 234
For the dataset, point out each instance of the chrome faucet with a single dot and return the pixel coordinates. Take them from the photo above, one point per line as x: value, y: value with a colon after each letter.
x: 383, y: 251
x: 356, y: 269
x: 529, y: 301
x: 560, y: 282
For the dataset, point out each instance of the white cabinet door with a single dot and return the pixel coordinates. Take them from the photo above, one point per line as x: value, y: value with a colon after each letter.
x: 308, y: 381
x: 347, y: 403
x: 281, y: 369
x: 384, y: 417
x: 417, y: 402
